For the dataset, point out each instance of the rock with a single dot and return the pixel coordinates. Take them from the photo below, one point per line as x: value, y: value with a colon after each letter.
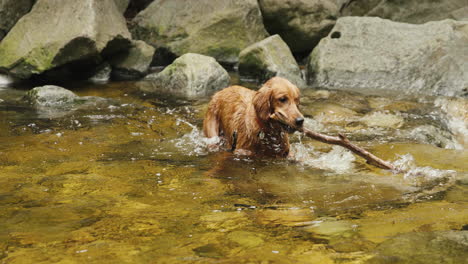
x: 378, y: 226
x: 327, y: 228
x: 217, y: 28
x: 224, y: 221
x: 300, y: 23
x: 134, y: 63
x: 64, y: 32
x: 405, y: 11
x: 330, y: 113
x: 460, y: 14
x: 372, y: 53
x: 190, y: 75
x: 268, y: 58
x: 284, y: 217
x: 10, y: 12
x: 50, y: 96
x: 429, y: 134
x: 122, y: 5
x: 52, y: 101
x: 245, y: 239
x: 424, y: 247
x: 455, y: 117
x: 382, y: 119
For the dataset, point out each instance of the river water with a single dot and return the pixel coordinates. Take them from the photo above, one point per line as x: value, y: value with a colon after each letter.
x: 128, y: 179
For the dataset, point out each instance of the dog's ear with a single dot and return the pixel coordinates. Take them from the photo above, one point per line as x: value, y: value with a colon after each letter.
x: 262, y: 103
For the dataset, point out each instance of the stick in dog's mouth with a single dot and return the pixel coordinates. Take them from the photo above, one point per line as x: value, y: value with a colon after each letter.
x: 287, y: 127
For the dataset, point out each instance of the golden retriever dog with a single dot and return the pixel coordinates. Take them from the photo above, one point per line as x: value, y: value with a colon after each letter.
x: 255, y: 122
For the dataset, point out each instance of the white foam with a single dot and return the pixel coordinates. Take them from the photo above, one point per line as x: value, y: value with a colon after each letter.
x: 5, y: 80
x: 338, y: 159
x: 194, y: 143
x: 420, y: 175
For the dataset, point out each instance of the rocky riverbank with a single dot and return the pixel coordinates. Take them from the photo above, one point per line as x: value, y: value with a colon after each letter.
x: 411, y: 48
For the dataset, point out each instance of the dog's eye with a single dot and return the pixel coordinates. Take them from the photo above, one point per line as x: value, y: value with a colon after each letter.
x: 283, y: 99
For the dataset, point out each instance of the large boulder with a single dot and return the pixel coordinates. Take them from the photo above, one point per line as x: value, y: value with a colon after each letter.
x: 416, y: 12
x: 63, y: 32
x: 10, y: 12
x: 216, y: 28
x: 122, y: 5
x: 373, y: 53
x: 134, y: 63
x: 301, y: 23
x: 190, y: 75
x: 268, y: 58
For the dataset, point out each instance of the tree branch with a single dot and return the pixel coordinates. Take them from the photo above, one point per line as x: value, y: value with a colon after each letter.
x: 341, y: 140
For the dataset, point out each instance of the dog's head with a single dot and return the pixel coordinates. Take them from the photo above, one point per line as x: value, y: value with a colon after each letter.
x: 278, y: 100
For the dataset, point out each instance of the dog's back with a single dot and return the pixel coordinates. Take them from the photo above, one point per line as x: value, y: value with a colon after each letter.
x: 227, y: 112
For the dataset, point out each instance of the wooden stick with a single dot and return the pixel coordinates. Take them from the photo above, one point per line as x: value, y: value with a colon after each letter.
x: 341, y: 140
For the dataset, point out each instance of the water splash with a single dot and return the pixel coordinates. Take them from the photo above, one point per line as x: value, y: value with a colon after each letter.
x: 338, y: 160
x: 6, y: 80
x: 455, y: 118
x: 194, y: 143
x: 421, y: 176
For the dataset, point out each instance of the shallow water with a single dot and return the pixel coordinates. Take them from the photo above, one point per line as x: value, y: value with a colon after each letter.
x: 128, y: 179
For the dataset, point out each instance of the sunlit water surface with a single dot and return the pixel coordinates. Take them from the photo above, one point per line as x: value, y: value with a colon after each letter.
x: 129, y: 179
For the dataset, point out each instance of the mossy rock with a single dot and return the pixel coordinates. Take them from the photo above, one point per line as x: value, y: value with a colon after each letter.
x: 62, y: 32
x: 268, y: 58
x: 216, y: 28
x: 191, y: 75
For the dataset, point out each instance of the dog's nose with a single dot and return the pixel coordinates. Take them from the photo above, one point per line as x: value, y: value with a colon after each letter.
x: 299, y: 121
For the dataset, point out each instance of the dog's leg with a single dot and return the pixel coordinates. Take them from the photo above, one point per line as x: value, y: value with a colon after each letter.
x: 211, y: 128
x: 211, y: 124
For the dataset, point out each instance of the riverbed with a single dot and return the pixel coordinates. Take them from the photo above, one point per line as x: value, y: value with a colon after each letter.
x: 129, y: 179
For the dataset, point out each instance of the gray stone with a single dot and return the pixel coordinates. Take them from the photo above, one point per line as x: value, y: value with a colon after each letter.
x: 10, y: 12
x: 190, y: 75
x: 301, y: 23
x: 52, y: 101
x: 134, y: 63
x: 122, y: 5
x: 217, y: 28
x: 460, y: 14
x: 268, y: 58
x: 51, y: 96
x: 416, y: 12
x: 424, y: 248
x: 372, y: 53
x: 60, y: 32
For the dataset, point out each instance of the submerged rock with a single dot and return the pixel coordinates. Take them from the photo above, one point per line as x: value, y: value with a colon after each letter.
x: 382, y: 119
x: 190, y: 75
x: 216, y: 28
x: 416, y: 12
x: 425, y: 248
x: 51, y: 96
x: 52, y: 101
x: 245, y: 239
x: 134, y: 63
x: 268, y: 58
x: 373, y: 53
x: 63, y: 32
x: 10, y: 12
x: 300, y: 23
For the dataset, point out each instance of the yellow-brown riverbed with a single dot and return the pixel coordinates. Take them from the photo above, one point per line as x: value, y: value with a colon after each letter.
x: 129, y: 180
